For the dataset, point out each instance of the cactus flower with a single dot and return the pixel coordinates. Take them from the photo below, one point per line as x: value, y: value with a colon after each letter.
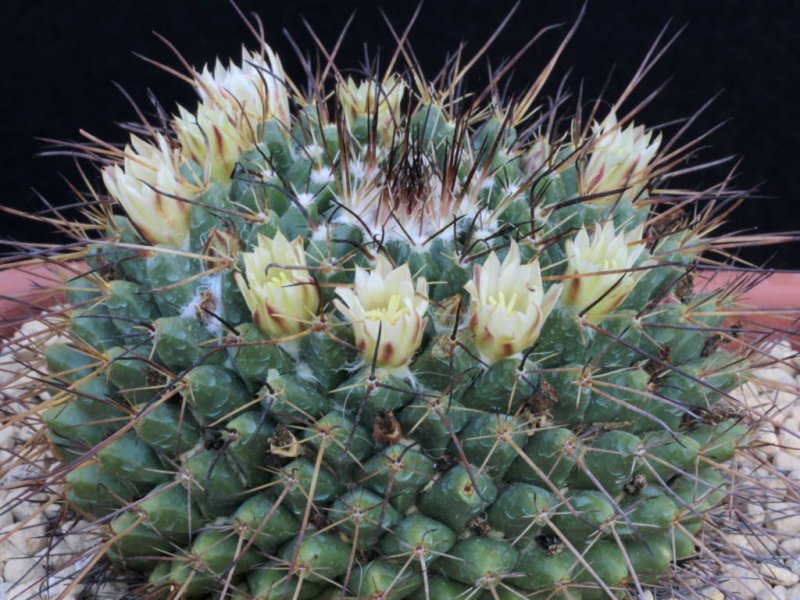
x: 362, y: 99
x: 619, y: 159
x: 235, y: 102
x: 283, y: 300
x: 149, y: 186
x: 385, y: 301
x: 508, y: 305
x: 595, y: 263
x: 257, y: 87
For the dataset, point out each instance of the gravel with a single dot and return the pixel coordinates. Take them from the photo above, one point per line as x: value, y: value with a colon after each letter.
x: 45, y: 548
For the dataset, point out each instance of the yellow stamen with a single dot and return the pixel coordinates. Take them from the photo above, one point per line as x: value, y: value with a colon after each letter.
x: 280, y: 280
x: 389, y: 313
x: 500, y: 300
x: 610, y: 265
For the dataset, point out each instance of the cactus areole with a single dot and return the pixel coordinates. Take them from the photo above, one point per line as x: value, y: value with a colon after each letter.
x: 371, y: 338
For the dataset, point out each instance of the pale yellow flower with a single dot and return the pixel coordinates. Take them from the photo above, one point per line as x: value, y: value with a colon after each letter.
x: 536, y: 158
x: 235, y: 101
x: 385, y: 302
x: 149, y: 186
x: 590, y: 261
x: 508, y: 305
x: 283, y: 300
x: 258, y: 86
x: 619, y: 159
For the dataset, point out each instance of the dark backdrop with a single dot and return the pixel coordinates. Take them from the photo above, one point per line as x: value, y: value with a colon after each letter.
x: 59, y: 59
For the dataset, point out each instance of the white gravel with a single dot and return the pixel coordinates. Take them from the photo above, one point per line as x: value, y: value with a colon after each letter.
x: 43, y: 547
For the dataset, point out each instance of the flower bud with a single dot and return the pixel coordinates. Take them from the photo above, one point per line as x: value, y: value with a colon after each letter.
x: 383, y: 302
x: 235, y: 102
x: 361, y: 100
x: 536, y: 158
x: 598, y: 267
x: 149, y: 186
x: 508, y: 305
x: 283, y: 300
x: 619, y: 159
x: 221, y: 243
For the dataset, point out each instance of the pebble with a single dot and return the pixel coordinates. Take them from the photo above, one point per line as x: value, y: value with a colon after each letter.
x: 775, y: 485
x: 79, y: 540
x: 743, y: 582
x: 791, y: 547
x: 780, y: 575
x: 793, y: 564
x: 25, y: 575
x: 757, y: 513
x: 782, y: 404
x: 712, y: 594
x: 32, y: 335
x: 775, y: 377
x: 26, y: 537
x: 749, y: 395
x: 789, y: 357
x: 768, y: 443
x: 758, y: 544
x: 786, y: 462
x: 789, y: 436
x: 9, y: 437
x: 27, y: 511
x: 785, y: 518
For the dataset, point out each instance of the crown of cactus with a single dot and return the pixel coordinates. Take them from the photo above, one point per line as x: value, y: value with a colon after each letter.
x: 386, y: 342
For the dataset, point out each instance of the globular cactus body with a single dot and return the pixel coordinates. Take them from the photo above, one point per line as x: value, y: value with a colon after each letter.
x: 391, y: 345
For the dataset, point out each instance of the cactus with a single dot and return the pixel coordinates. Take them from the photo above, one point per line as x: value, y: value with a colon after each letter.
x: 384, y: 341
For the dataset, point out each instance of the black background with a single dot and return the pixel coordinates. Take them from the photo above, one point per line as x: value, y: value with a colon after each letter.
x: 59, y: 59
